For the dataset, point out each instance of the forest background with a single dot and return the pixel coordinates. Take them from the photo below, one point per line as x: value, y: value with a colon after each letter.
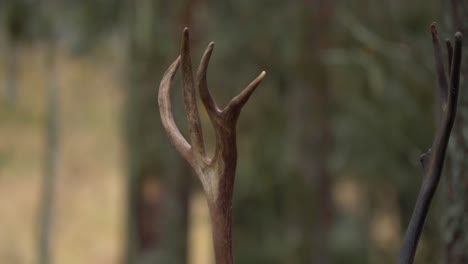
x: 329, y: 144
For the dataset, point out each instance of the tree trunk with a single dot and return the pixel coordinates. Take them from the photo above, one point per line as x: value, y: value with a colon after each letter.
x: 312, y: 103
x: 145, y: 174
x: 157, y: 206
x: 12, y: 14
x: 455, y: 188
x: 50, y: 168
x: 11, y: 80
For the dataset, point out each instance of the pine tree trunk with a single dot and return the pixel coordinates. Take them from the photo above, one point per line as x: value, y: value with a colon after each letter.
x: 11, y: 80
x: 455, y: 186
x: 312, y: 103
x: 157, y: 205
x: 50, y: 168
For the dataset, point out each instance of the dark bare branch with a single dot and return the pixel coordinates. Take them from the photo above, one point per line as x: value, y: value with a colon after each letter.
x: 455, y: 73
x: 190, y: 97
x: 435, y: 164
x: 439, y: 62
x: 424, y: 159
x: 449, y: 54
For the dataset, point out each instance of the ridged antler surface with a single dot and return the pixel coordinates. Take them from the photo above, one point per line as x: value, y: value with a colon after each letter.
x: 215, y: 173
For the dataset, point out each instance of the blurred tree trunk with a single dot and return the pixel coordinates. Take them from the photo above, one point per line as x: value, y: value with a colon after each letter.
x: 11, y: 86
x: 50, y: 169
x: 182, y: 173
x: 311, y: 120
x: 455, y: 198
x: 146, y: 183
x: 157, y: 215
x: 14, y: 25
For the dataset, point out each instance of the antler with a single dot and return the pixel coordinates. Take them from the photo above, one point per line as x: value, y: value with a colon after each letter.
x: 216, y: 173
x: 433, y: 160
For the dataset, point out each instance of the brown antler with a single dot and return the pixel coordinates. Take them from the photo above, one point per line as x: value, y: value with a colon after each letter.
x: 217, y: 173
x: 433, y: 161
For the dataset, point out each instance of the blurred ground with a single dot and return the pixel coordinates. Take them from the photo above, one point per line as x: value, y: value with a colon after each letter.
x: 89, y: 188
x: 90, y: 193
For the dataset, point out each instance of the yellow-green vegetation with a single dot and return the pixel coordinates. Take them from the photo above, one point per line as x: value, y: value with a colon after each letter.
x: 89, y: 206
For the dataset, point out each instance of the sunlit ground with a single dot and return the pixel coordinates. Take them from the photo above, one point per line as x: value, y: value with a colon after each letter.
x: 89, y: 201
x: 89, y: 210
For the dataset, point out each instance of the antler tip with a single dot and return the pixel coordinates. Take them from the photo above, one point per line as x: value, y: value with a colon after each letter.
x: 261, y: 76
x: 458, y: 36
x: 185, y: 35
x: 210, y: 47
x: 259, y: 79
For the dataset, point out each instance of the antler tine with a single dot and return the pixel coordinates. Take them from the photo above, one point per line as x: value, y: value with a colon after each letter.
x: 449, y: 54
x: 236, y: 104
x: 440, y: 69
x: 164, y: 101
x: 217, y: 174
x: 205, y: 95
x: 190, y: 100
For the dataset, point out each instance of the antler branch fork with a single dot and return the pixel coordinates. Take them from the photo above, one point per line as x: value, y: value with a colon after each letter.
x: 216, y: 173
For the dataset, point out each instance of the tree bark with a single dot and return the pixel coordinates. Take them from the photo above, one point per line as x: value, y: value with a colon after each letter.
x: 455, y: 186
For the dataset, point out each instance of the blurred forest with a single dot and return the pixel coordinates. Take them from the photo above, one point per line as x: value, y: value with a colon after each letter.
x: 329, y: 145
